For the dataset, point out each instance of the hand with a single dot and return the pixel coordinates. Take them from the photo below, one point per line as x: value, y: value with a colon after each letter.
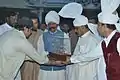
x: 51, y: 62
x: 67, y: 60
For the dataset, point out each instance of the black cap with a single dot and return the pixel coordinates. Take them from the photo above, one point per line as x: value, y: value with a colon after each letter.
x: 24, y: 21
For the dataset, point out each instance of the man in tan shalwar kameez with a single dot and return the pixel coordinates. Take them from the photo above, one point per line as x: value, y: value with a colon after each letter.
x: 30, y: 69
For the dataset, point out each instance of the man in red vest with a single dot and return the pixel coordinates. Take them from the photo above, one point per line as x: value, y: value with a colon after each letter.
x: 107, y: 27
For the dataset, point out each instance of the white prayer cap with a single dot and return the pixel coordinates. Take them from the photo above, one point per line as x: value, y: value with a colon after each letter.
x: 71, y: 10
x: 108, y: 18
x: 80, y: 20
x: 52, y: 16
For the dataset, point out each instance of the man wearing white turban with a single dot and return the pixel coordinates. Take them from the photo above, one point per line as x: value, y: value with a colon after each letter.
x: 108, y: 28
x: 71, y: 10
x: 110, y: 45
x: 68, y: 13
x: 86, y: 43
x: 53, y: 43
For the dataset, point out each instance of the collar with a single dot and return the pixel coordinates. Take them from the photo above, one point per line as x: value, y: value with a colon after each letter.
x: 107, y: 40
x: 53, y: 32
x: 86, y: 34
x: 6, y: 24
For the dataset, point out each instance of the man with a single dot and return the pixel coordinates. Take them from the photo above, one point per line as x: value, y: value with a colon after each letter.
x: 110, y: 45
x: 54, y: 44
x: 9, y: 20
x: 12, y: 19
x: 86, y: 43
x: 14, y: 49
x: 67, y: 15
x: 30, y: 70
x: 43, y: 27
x: 65, y: 28
x: 4, y: 27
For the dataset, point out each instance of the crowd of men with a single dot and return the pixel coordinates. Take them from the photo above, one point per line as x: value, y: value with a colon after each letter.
x: 68, y: 47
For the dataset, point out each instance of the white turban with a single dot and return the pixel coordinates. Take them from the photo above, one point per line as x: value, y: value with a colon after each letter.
x: 108, y: 7
x: 71, y: 10
x: 80, y: 20
x: 108, y: 18
x: 52, y: 16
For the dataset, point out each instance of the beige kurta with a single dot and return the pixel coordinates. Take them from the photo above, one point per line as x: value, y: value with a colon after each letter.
x: 30, y: 70
x: 13, y: 49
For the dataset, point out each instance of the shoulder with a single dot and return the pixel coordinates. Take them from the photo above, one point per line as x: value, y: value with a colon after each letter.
x: 117, y: 34
x: 40, y: 31
x: 92, y: 38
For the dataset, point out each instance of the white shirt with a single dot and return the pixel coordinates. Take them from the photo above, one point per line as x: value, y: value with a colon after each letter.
x: 4, y: 27
x: 84, y: 47
x: 107, y: 40
x: 40, y: 45
x: 89, y: 49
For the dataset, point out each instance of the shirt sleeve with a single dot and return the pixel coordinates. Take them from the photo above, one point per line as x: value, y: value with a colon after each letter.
x: 40, y: 46
x: 118, y: 46
x: 67, y: 45
x: 26, y: 48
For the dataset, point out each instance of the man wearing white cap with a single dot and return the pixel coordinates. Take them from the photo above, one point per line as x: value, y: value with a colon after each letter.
x: 108, y: 27
x: 110, y: 45
x: 53, y: 42
x: 68, y: 13
x: 86, y: 43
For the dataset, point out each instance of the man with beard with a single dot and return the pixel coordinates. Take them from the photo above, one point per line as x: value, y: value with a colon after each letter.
x: 54, y: 44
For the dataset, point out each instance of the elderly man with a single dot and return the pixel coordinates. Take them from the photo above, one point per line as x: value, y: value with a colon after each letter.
x: 86, y: 43
x: 54, y: 44
x: 14, y: 49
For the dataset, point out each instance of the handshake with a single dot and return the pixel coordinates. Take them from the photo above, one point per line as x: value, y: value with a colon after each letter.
x: 58, y: 59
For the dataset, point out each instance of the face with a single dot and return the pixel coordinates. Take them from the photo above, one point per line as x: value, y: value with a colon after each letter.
x: 43, y: 27
x: 64, y: 28
x: 79, y: 30
x: 101, y: 29
x: 27, y: 32
x: 35, y: 23
x: 12, y: 19
x: 52, y: 26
